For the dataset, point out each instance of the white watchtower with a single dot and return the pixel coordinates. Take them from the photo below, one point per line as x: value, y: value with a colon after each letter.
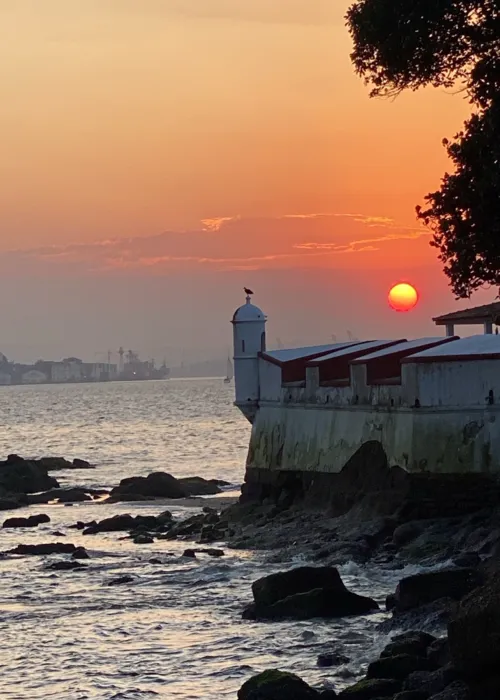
x: 249, y: 338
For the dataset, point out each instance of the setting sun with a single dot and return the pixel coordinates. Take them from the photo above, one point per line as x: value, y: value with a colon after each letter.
x: 403, y: 297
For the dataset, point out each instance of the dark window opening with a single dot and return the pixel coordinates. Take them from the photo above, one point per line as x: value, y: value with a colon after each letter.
x: 242, y: 346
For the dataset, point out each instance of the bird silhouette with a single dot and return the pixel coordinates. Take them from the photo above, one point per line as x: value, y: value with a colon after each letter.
x: 247, y: 291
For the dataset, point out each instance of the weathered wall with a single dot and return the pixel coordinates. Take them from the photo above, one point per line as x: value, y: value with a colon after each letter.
x: 457, y: 383
x: 324, y: 437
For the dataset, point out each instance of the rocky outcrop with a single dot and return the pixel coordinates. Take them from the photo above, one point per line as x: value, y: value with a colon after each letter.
x: 60, y: 463
x: 155, y: 485
x: 20, y: 476
x: 371, y: 689
x: 276, y: 685
x: 304, y: 593
x: 197, y: 486
x: 42, y: 549
x: 61, y: 495
x: 474, y: 632
x: 32, y: 521
x: 421, y: 589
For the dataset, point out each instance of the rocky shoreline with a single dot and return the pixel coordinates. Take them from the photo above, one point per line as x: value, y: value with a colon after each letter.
x: 445, y: 620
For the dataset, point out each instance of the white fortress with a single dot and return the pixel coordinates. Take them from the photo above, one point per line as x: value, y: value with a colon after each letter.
x: 432, y: 403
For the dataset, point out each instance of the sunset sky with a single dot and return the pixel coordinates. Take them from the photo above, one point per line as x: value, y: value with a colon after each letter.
x: 157, y: 155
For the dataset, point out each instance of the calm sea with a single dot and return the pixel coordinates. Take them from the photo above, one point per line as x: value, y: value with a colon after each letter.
x: 176, y: 630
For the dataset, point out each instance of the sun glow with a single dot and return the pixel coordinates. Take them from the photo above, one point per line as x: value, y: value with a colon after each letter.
x: 403, y: 297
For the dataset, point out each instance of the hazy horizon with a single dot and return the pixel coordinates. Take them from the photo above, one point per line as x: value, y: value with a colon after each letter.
x: 158, y: 157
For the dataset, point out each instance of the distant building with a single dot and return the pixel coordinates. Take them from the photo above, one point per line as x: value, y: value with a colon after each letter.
x: 69, y: 370
x: 34, y: 376
x: 5, y: 378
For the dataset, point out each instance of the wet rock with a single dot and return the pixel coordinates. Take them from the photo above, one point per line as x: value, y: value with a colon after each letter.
x: 455, y: 691
x: 155, y: 560
x: 32, y: 521
x: 412, y: 642
x: 155, y: 485
x: 332, y: 659
x: 66, y: 496
x: 117, y: 523
x: 411, y: 695
x: 474, y: 632
x: 420, y: 589
x: 304, y: 593
x: 82, y: 464
x: 430, y: 682
x: 398, y: 667
x: 120, y: 580
x: 370, y: 689
x: 433, y: 616
x: 80, y: 553
x: 197, y: 486
x: 211, y: 552
x: 18, y: 475
x: 276, y: 685
x: 41, y: 549
x: 58, y: 533
x: 12, y: 501
x: 467, y: 560
x: 189, y: 553
x: 327, y: 694
x: 143, y: 539
x: 54, y: 463
x: 407, y: 532
x: 438, y: 652
x: 66, y: 566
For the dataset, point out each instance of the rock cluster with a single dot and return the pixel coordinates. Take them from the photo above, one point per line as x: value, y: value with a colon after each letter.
x: 163, y: 485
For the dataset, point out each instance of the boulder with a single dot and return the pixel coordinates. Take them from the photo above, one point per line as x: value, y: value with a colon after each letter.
x: 370, y: 689
x: 143, y: 539
x: 332, y: 659
x: 70, y: 495
x: 32, y: 521
x: 467, y: 560
x: 41, y: 549
x: 276, y: 685
x: 54, y: 463
x: 420, y: 589
x: 66, y: 566
x: 82, y: 464
x: 155, y: 485
x: 411, y: 695
x: 304, y: 593
x: 413, y: 643
x: 430, y: 682
x: 80, y: 553
x: 438, y: 652
x: 398, y: 667
x: 474, y: 631
x: 23, y: 476
x: 117, y: 523
x: 197, y: 486
x: 120, y: 580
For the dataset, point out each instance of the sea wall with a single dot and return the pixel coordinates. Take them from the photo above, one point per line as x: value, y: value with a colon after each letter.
x: 322, y: 438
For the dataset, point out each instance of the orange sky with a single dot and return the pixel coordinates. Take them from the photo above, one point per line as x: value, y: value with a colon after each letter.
x: 132, y: 129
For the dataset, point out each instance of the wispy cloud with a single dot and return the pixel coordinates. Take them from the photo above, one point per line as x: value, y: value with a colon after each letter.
x: 228, y: 243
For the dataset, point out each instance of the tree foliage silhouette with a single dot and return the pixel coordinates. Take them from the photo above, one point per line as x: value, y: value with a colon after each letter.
x: 408, y: 44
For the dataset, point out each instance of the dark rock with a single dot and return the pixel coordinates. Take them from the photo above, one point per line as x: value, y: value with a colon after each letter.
x: 398, y: 667
x: 66, y: 566
x: 455, y: 691
x: 12, y: 501
x: 80, y: 553
x: 413, y: 643
x: 120, y: 580
x: 420, y: 589
x: 54, y: 463
x: 164, y: 517
x: 411, y: 695
x: 32, y: 521
x: 370, y: 689
x: 117, y: 523
x: 430, y: 682
x: 58, y: 533
x: 190, y: 553
x: 143, y: 539
x: 197, y: 486
x: 333, y: 659
x: 41, y: 549
x: 438, y: 652
x: 66, y: 496
x: 82, y: 464
x: 390, y: 602
x: 155, y: 560
x: 23, y: 476
x: 276, y: 685
x: 467, y: 560
x: 304, y: 593
x: 155, y: 485
x: 328, y: 694
x: 474, y: 632
x: 211, y: 552
x: 407, y: 532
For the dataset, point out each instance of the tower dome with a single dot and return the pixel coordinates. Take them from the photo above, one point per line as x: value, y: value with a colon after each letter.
x: 248, y: 313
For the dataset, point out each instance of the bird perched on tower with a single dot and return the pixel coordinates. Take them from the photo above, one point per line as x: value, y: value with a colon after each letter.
x: 247, y: 291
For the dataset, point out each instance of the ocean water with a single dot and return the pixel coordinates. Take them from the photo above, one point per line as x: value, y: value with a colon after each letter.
x: 176, y: 630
